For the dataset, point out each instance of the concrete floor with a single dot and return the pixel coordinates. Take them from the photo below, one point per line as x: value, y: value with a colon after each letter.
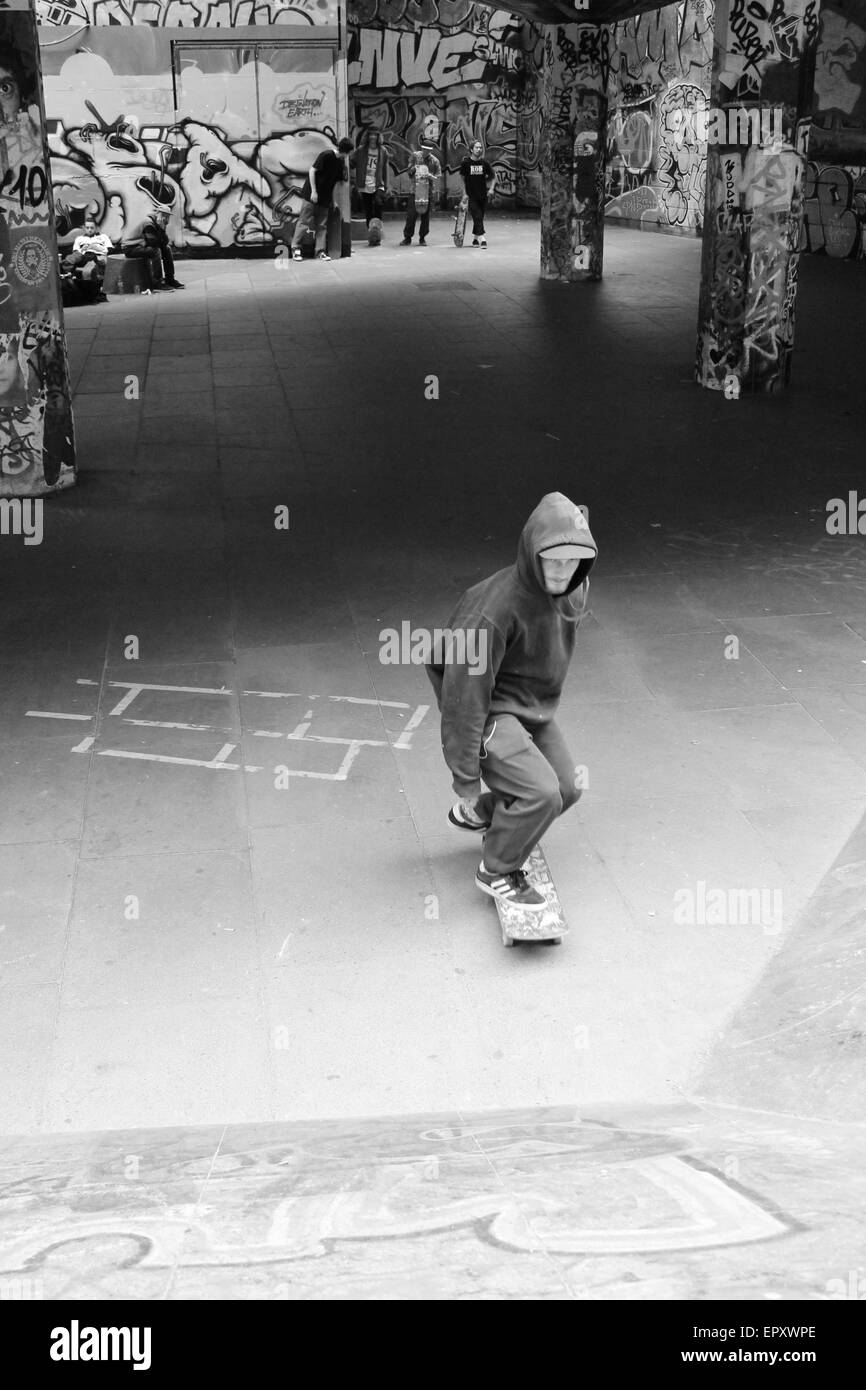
x: 190, y: 937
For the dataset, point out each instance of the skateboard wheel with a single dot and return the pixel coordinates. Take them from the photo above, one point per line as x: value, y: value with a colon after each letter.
x: 508, y: 941
x: 556, y: 941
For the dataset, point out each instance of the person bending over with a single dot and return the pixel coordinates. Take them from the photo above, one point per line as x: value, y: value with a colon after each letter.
x: 328, y: 169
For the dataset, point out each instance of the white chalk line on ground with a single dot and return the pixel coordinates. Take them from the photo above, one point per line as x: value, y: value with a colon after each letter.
x: 219, y: 762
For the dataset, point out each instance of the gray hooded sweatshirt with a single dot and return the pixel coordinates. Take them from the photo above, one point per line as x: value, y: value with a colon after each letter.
x: 528, y: 644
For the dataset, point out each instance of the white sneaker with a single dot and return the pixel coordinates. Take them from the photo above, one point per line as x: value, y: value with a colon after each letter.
x: 475, y: 242
x: 484, y: 243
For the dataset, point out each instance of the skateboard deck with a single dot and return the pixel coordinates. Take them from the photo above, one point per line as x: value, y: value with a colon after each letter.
x: 460, y: 220
x: 334, y: 243
x: 517, y: 924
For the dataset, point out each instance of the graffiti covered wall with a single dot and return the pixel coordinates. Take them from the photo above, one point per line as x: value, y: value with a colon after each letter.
x: 186, y: 14
x: 660, y: 66
x: 142, y: 115
x: 452, y: 72
x: 656, y: 166
x: 835, y: 189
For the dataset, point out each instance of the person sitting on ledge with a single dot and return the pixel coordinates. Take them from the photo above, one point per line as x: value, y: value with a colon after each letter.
x: 148, y: 240
x: 85, y: 263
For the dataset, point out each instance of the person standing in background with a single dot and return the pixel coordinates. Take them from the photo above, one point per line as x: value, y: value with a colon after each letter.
x: 424, y: 170
x: 370, y: 162
x: 478, y: 180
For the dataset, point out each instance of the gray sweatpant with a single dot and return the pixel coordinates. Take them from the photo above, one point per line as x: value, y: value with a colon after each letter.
x: 531, y: 780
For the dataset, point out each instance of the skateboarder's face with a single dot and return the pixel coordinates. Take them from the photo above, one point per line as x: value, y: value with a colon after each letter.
x: 558, y: 574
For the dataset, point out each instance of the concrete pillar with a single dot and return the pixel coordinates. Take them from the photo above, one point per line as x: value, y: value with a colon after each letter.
x: 37, y: 449
x: 757, y: 131
x: 574, y: 117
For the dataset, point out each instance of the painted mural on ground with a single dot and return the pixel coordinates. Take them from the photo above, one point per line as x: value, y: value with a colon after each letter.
x: 470, y: 73
x: 37, y: 453
x: 313, y: 1209
x: 220, y: 138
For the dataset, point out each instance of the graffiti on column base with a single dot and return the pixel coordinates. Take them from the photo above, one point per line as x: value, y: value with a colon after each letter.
x: 764, y: 332
x: 575, y: 110
x: 746, y: 327
x: 36, y: 448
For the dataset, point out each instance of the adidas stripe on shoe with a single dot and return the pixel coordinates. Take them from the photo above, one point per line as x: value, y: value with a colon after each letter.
x: 514, y: 889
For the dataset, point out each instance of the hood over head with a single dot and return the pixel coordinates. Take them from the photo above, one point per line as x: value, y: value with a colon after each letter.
x: 556, y: 521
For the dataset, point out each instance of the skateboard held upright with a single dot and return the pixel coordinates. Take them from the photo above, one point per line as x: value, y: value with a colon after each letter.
x: 334, y: 241
x: 519, y: 924
x: 459, y: 230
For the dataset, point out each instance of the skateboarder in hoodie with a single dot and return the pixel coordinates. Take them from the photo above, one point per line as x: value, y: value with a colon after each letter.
x: 498, y: 717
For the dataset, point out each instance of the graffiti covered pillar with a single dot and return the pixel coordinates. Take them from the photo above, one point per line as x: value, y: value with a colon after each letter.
x: 573, y: 114
x: 757, y: 138
x: 37, y: 451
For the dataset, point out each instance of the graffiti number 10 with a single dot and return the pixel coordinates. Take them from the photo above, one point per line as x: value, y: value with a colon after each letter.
x: 30, y: 185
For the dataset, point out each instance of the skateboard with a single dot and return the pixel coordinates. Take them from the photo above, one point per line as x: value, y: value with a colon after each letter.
x: 518, y: 924
x: 334, y: 242
x: 460, y: 221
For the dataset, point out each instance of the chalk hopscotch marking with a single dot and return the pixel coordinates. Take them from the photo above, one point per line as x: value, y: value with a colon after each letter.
x: 53, y: 714
x: 220, y: 761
